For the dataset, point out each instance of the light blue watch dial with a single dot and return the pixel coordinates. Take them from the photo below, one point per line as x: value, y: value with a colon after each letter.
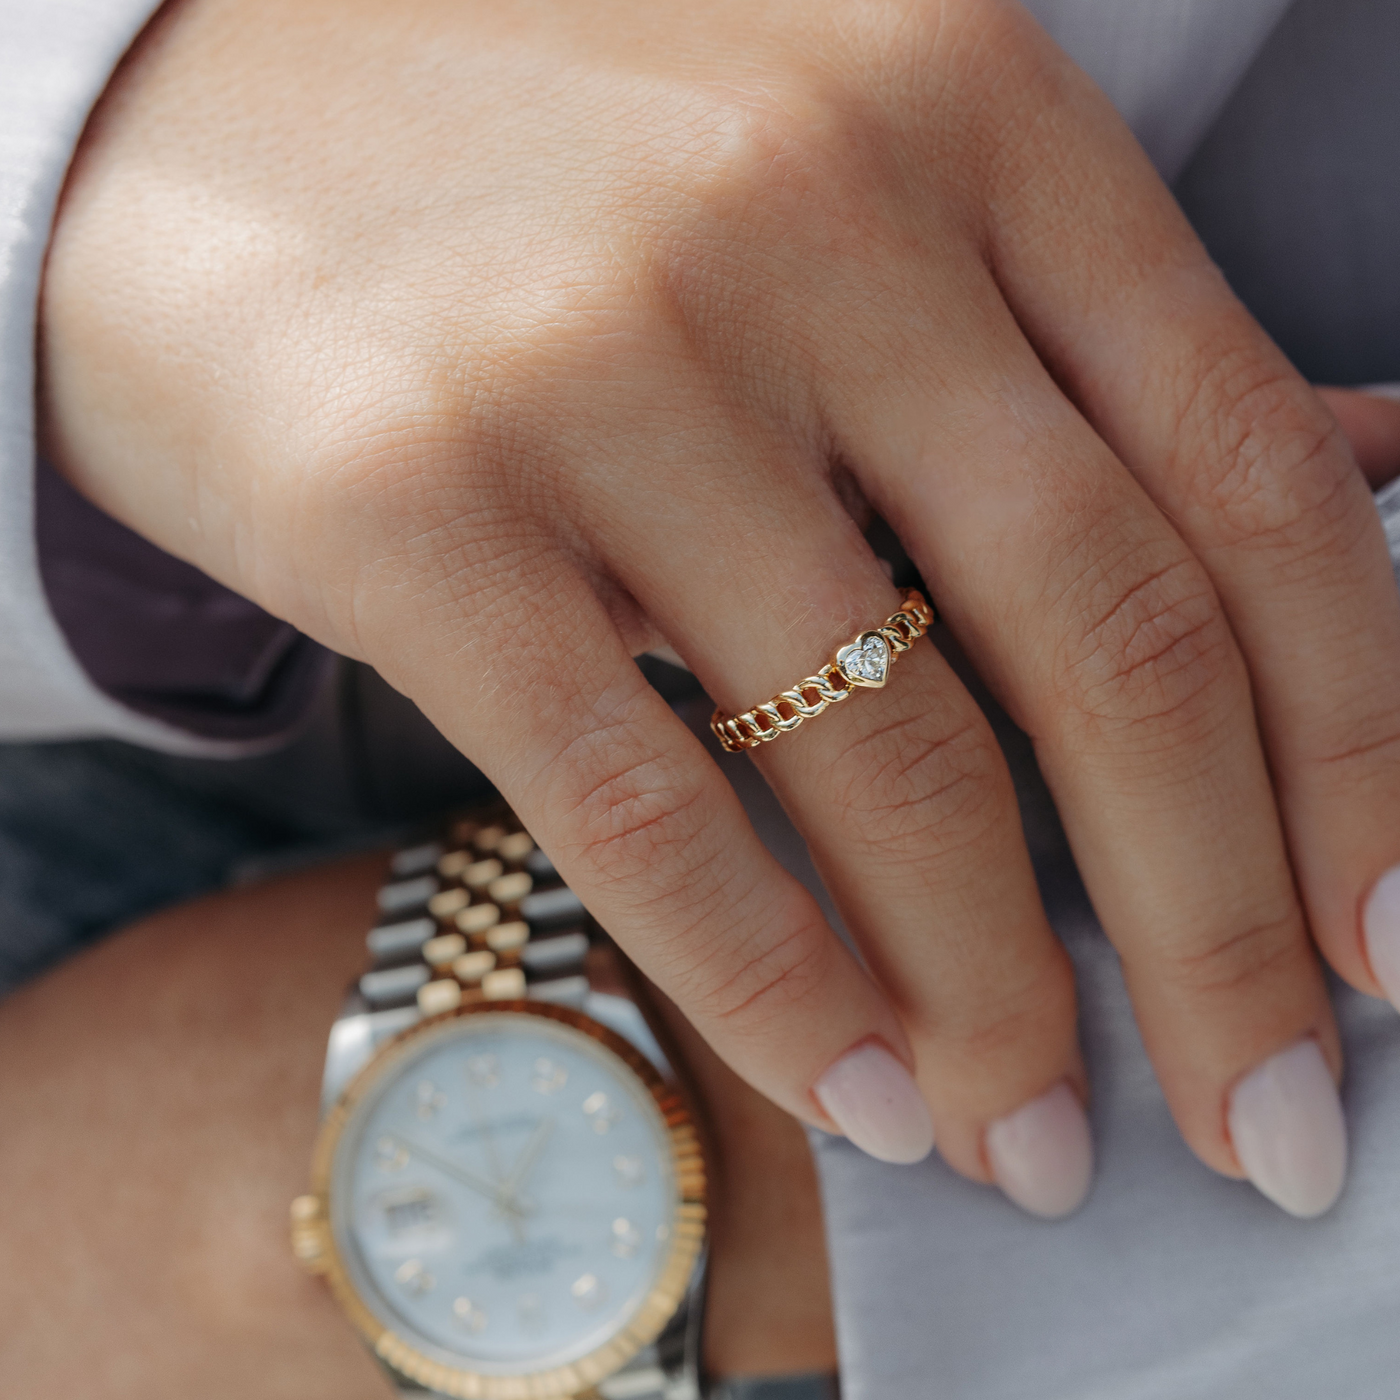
x: 504, y: 1201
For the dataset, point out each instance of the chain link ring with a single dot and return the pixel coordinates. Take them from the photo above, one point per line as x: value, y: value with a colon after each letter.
x: 845, y: 673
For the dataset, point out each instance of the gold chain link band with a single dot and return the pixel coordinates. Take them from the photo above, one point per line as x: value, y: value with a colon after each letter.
x: 863, y: 664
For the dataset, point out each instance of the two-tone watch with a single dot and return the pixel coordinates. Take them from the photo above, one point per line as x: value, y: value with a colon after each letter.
x: 508, y: 1190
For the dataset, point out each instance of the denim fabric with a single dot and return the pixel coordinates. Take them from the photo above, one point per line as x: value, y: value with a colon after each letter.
x: 93, y: 835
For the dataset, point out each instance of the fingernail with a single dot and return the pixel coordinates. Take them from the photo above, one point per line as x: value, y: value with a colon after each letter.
x: 1042, y: 1155
x: 1381, y: 924
x: 875, y: 1102
x: 1288, y: 1131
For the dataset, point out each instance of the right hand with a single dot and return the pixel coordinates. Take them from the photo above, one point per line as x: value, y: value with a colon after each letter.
x: 496, y: 344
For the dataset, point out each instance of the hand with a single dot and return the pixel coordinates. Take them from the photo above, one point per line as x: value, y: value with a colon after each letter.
x: 494, y: 345
x: 159, y: 1094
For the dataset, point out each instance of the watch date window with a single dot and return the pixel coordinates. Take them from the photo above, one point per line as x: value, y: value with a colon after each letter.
x: 408, y: 1214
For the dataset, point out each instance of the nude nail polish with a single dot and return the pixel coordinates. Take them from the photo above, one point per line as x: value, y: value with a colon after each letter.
x: 1286, y: 1124
x: 873, y: 1100
x: 1042, y: 1155
x: 1380, y: 922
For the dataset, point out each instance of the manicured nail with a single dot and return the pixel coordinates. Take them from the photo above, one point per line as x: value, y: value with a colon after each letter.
x: 876, y: 1103
x: 1042, y: 1155
x: 1287, y: 1127
x: 1381, y: 923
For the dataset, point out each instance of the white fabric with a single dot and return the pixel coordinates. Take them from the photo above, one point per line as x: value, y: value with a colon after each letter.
x: 55, y: 59
x: 1167, y: 65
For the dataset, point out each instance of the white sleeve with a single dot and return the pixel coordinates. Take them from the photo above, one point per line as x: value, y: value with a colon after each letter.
x: 56, y: 57
x: 1168, y: 66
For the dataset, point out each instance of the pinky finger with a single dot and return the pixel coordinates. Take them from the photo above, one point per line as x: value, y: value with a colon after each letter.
x: 644, y: 827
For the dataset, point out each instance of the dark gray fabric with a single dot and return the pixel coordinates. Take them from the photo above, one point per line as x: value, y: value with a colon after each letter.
x: 1296, y: 190
x: 808, y: 1385
x: 93, y: 835
x: 163, y: 638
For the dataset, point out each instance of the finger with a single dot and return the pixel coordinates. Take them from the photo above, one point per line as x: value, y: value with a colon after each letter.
x: 545, y: 697
x: 1101, y: 632
x: 902, y: 796
x: 1371, y: 422
x: 1240, y: 454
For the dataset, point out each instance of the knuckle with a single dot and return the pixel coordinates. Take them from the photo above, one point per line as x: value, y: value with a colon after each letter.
x: 772, y: 146
x: 768, y: 181
x: 627, y: 808
x: 644, y: 828
x: 1275, y: 473
x: 634, y: 815
x: 1152, y: 648
x: 912, y: 789
x: 782, y: 963
x: 1032, y: 1008
x: 1231, y: 962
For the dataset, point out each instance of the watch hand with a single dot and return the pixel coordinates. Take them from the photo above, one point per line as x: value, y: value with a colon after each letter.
x: 465, y: 1175
x: 488, y: 1141
x: 511, y: 1188
x: 528, y: 1156
x: 505, y: 1202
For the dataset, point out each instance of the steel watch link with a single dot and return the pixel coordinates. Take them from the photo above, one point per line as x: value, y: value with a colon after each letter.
x: 508, y: 1192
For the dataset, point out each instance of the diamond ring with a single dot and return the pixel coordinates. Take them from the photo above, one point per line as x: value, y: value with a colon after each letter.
x: 862, y: 664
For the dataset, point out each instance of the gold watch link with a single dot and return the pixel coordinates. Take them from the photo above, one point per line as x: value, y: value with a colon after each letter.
x: 478, y: 936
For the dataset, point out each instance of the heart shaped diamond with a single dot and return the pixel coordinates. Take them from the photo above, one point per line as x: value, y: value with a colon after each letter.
x: 866, y: 661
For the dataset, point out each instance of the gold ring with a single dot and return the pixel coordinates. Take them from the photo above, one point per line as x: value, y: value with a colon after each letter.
x: 862, y: 664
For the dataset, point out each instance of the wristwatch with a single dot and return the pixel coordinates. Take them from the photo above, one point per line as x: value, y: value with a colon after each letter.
x: 508, y: 1189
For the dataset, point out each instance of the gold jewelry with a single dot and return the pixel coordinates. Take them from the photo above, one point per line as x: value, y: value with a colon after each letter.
x: 483, y: 959
x: 864, y: 663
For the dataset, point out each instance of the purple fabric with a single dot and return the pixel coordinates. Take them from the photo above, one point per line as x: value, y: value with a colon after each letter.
x: 161, y: 637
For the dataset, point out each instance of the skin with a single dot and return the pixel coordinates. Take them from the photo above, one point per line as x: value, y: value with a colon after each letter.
x: 1372, y: 427
x: 161, y: 1095
x: 496, y: 344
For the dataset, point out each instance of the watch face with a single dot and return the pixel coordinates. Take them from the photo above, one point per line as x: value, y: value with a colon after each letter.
x: 504, y: 1195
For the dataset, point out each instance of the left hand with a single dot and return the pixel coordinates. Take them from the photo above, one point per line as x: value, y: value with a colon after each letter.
x: 159, y: 1099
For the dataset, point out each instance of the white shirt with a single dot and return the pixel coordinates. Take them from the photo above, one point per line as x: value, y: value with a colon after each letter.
x: 55, y: 59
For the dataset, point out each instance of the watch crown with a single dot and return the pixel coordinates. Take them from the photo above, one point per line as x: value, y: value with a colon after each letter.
x: 309, y: 1242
